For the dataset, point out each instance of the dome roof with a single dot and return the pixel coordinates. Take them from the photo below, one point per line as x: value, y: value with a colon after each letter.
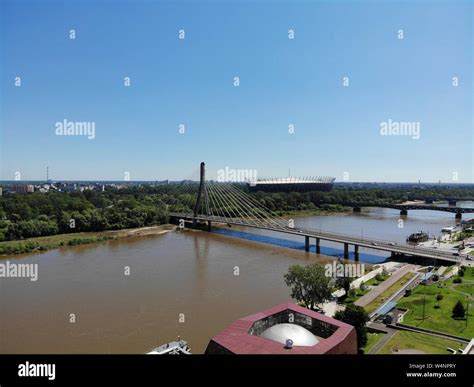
x: 299, y: 335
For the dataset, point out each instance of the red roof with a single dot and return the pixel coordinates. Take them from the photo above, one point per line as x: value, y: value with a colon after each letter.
x: 237, y: 339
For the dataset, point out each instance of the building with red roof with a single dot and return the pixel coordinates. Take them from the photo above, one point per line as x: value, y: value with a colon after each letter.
x: 285, y: 329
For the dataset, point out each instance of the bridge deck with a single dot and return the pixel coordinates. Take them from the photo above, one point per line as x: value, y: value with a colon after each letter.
x: 369, y: 243
x: 452, y: 209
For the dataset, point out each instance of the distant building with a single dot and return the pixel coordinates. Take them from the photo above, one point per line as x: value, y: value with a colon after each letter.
x: 26, y: 188
x: 292, y: 184
x: 285, y: 329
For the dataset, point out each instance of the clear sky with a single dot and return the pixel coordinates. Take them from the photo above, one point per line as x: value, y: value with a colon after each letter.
x: 283, y: 82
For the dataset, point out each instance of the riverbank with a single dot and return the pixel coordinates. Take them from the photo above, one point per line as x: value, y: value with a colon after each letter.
x: 41, y: 244
x: 317, y: 212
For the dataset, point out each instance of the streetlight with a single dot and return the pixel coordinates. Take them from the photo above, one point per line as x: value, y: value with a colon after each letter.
x: 424, y: 304
x: 467, y: 309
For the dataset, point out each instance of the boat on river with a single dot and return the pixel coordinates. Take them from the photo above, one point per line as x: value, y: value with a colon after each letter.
x: 179, y: 347
x: 417, y: 237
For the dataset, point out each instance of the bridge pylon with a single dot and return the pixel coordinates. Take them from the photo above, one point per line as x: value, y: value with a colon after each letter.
x: 201, y: 192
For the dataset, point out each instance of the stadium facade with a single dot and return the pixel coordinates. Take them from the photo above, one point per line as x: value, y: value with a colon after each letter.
x: 292, y: 184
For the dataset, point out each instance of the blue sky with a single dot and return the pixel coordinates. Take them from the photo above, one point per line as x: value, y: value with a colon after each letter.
x: 282, y: 81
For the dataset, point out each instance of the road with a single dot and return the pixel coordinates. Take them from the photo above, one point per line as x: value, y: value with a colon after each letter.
x: 369, y: 243
x: 379, y: 289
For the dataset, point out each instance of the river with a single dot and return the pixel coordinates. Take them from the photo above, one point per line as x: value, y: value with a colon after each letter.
x: 180, y: 283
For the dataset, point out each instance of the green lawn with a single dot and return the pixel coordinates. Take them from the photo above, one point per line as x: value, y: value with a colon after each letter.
x: 372, y: 340
x: 467, y: 288
x: 374, y: 282
x: 420, y: 342
x: 440, y: 319
x: 358, y: 294
x: 449, y: 269
x: 469, y: 274
x: 379, y: 301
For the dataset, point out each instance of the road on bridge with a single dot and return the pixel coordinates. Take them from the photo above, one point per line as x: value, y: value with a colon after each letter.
x: 369, y: 243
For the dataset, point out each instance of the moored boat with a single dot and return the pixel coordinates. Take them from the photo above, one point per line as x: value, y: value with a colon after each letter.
x: 179, y: 347
x: 419, y: 236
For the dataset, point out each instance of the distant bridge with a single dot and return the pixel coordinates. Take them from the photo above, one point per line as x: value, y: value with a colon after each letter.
x: 225, y: 204
x: 452, y: 201
x: 404, y: 208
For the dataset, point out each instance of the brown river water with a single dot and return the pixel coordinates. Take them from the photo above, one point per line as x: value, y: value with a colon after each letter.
x: 173, y: 276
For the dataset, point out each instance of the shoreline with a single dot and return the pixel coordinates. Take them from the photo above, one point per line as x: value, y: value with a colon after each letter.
x: 37, y: 245
x: 42, y: 244
x: 302, y: 213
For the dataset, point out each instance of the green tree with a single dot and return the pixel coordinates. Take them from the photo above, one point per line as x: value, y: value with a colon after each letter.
x: 345, y: 283
x: 357, y: 317
x: 309, y: 285
x: 458, y: 310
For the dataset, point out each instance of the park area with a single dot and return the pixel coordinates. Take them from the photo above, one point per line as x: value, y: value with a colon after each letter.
x: 431, y: 306
x: 373, y: 338
x: 405, y: 342
x: 390, y: 291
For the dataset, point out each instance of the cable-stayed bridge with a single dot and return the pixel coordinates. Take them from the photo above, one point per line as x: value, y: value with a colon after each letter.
x: 224, y: 203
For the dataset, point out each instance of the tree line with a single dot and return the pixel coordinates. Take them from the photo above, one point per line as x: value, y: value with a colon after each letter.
x: 42, y: 214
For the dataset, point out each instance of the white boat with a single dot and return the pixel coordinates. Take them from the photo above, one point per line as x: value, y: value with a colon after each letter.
x: 179, y: 347
x: 448, y: 229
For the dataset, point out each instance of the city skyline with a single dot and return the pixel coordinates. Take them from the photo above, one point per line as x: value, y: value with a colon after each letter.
x: 340, y: 76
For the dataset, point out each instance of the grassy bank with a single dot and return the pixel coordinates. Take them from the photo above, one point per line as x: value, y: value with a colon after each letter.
x: 372, y: 340
x: 438, y: 313
x: 413, y: 341
x: 40, y: 244
x: 323, y: 211
x: 378, y: 302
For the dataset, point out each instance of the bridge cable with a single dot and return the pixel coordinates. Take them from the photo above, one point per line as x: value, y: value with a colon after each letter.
x: 218, y: 201
x: 246, y: 202
x: 229, y: 205
x: 257, y: 208
x: 255, y: 218
x: 239, y: 209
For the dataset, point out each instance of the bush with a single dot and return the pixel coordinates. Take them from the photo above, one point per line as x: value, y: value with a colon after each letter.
x: 439, y: 297
x: 357, y: 317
